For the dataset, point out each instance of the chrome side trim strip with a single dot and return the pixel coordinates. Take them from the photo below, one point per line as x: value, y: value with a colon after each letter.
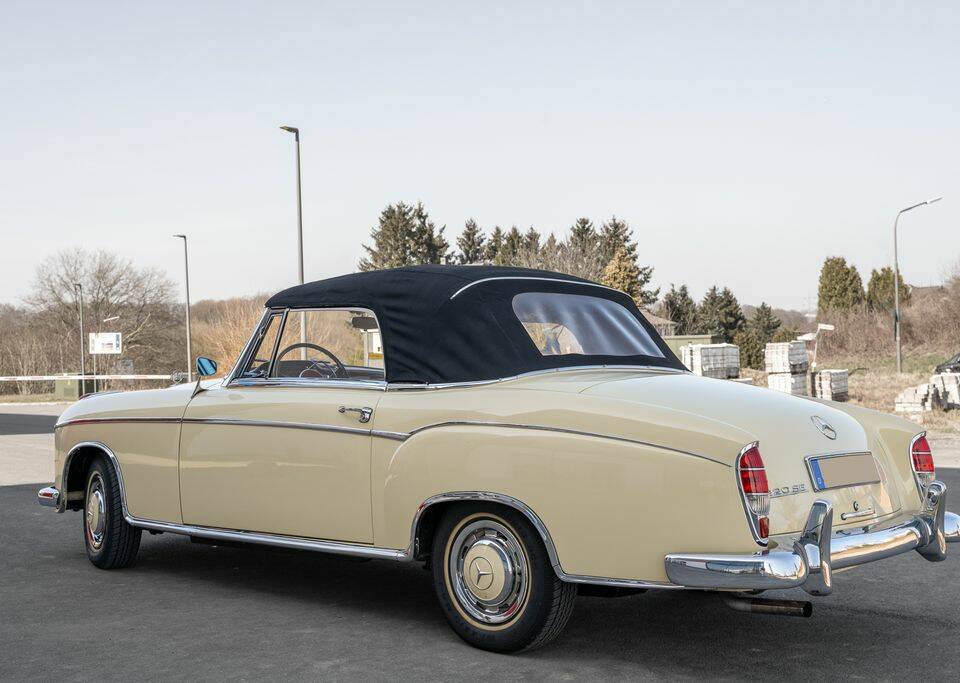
x: 276, y: 424
x: 276, y: 540
x: 396, y: 436
x: 406, y: 386
x: 520, y: 277
x: 372, y: 385
x: 117, y: 420
x: 564, y: 430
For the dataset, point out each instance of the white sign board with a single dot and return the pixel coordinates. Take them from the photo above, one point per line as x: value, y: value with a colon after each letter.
x: 105, y: 343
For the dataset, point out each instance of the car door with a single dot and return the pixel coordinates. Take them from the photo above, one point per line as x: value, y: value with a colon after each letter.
x: 283, y: 446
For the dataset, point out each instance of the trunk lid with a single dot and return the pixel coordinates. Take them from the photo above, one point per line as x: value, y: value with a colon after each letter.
x: 791, y: 430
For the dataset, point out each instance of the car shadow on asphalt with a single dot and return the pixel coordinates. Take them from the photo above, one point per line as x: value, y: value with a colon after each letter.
x: 241, y: 606
x: 666, y: 633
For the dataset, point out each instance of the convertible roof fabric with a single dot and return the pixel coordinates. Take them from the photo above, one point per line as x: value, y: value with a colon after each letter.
x: 443, y: 324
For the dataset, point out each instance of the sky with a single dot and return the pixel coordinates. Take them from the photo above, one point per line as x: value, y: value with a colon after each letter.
x: 742, y: 141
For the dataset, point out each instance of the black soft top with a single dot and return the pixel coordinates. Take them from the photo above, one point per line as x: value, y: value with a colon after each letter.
x: 442, y: 324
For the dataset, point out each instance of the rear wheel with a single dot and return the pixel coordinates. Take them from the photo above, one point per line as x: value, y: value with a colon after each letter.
x: 111, y: 543
x: 495, y: 581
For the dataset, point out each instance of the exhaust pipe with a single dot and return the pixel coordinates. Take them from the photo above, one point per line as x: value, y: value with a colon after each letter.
x: 786, y: 608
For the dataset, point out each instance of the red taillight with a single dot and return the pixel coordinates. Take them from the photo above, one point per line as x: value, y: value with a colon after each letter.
x: 922, y: 458
x: 752, y: 476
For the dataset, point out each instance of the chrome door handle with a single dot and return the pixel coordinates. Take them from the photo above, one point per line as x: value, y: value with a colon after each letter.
x: 365, y: 413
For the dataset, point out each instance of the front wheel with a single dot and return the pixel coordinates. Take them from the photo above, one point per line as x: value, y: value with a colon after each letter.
x: 495, y: 582
x: 110, y: 541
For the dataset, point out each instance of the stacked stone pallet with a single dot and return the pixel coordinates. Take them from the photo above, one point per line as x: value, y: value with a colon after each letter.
x: 831, y: 385
x: 949, y: 385
x: 786, y: 365
x: 712, y: 360
x: 941, y: 393
x: 922, y: 398
x: 795, y: 385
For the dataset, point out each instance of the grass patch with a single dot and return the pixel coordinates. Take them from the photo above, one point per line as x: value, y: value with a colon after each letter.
x: 29, y: 398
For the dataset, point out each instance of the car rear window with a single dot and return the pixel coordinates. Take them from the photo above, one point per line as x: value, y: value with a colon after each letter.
x: 563, y: 324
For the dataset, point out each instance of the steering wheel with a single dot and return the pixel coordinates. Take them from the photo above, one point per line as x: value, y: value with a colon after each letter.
x: 315, y: 366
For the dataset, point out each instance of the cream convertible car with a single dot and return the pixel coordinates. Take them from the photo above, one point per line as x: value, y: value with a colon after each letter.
x: 526, y: 433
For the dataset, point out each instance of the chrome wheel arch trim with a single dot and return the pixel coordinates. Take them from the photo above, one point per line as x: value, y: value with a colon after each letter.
x: 541, y: 528
x: 64, y: 483
x: 491, y: 497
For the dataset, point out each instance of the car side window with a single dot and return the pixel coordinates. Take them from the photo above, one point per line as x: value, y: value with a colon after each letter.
x: 329, y: 345
x: 258, y: 363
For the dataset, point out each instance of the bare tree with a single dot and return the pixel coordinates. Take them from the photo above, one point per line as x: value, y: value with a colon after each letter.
x: 141, y: 299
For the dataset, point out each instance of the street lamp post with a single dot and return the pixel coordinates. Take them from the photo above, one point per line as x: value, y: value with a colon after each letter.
x: 79, y: 288
x: 896, y: 280
x: 186, y: 277
x: 296, y: 137
x: 303, y: 331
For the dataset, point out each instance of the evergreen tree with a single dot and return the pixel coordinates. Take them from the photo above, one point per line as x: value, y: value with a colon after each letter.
x: 391, y: 239
x: 614, y: 235
x: 840, y: 286
x: 579, y: 254
x: 622, y: 273
x: 764, y: 324
x: 785, y: 334
x: 427, y: 244
x: 583, y: 236
x: 531, y: 241
x: 880, y: 290
x: 549, y: 257
x: 720, y: 314
x: 471, y: 243
x: 680, y: 307
x: 751, y: 348
x: 509, y: 254
x: 405, y: 236
x: 495, y: 245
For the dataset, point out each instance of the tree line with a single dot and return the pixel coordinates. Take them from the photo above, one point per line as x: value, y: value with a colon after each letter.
x: 841, y: 288
x: 405, y: 235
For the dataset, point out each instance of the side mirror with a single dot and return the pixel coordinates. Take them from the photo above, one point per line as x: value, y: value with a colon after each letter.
x: 206, y: 367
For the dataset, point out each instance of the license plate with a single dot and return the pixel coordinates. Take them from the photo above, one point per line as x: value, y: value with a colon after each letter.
x: 839, y: 471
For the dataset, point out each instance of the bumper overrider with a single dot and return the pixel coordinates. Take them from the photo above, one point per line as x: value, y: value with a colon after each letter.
x: 817, y: 552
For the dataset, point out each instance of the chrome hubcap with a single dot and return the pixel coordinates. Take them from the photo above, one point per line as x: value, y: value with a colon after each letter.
x: 489, y: 571
x: 95, y: 513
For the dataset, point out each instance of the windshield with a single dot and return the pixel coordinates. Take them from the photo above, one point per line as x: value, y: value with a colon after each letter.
x: 562, y: 324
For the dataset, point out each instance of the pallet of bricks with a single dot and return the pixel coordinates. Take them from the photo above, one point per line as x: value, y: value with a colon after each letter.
x: 941, y: 393
x: 786, y: 365
x: 832, y: 385
x: 712, y: 360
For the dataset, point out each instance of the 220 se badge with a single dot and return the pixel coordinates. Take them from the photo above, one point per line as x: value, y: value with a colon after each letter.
x: 526, y: 434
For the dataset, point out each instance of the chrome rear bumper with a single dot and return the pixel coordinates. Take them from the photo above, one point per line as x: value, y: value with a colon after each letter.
x: 817, y: 551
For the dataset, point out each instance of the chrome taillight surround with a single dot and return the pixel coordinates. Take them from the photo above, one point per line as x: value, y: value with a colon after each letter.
x: 756, y: 503
x: 923, y: 477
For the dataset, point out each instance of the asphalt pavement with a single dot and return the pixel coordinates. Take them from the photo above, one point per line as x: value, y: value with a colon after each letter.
x: 189, y: 611
x: 25, y: 423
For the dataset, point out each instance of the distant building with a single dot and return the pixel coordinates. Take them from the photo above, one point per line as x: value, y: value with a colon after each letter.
x: 663, y: 326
